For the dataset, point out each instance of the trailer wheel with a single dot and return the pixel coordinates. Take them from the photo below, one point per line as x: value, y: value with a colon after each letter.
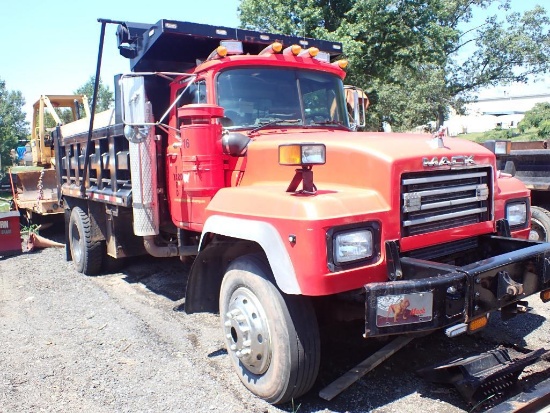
x: 272, y: 338
x: 87, y: 254
x: 540, y: 224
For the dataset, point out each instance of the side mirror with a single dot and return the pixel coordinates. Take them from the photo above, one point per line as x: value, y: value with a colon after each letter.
x: 357, y: 103
x: 235, y: 143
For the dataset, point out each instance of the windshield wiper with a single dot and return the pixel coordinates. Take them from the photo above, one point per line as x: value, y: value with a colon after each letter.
x: 274, y: 122
x: 330, y: 122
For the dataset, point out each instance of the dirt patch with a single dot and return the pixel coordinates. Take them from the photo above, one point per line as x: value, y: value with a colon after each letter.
x: 120, y: 342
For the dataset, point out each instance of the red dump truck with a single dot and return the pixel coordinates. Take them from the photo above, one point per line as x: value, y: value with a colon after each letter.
x: 239, y: 151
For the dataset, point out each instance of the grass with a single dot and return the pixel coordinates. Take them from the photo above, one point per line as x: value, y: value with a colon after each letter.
x: 5, y: 198
x: 25, y: 168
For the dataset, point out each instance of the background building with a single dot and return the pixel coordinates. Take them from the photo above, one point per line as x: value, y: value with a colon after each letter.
x: 504, y: 107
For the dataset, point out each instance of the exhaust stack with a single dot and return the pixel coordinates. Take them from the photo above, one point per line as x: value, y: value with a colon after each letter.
x: 140, y: 132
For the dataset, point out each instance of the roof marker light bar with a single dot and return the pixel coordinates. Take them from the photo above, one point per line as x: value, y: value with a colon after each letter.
x: 310, y: 52
x: 218, y: 53
x: 295, y: 50
x: 274, y: 47
x: 342, y: 63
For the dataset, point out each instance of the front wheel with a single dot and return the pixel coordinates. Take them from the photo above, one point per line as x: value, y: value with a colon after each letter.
x: 540, y: 224
x: 272, y: 338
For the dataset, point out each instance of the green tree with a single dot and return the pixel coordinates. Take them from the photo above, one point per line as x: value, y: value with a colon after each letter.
x: 422, y: 55
x: 105, y: 98
x: 66, y: 116
x: 539, y: 118
x: 544, y: 129
x: 13, y: 126
x: 505, y: 51
x: 534, y: 117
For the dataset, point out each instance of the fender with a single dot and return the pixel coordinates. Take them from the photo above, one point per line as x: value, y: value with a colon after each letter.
x: 511, y: 188
x: 267, y: 237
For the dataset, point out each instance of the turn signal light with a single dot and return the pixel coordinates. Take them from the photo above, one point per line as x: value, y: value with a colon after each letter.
x: 545, y: 296
x: 477, y: 324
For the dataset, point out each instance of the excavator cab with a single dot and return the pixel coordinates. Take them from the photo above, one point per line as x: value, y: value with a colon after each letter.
x: 50, y: 111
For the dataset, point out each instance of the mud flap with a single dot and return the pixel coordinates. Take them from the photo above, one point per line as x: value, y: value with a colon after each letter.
x: 483, y: 380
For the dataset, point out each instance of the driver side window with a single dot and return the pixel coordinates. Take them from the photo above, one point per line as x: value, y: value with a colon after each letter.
x: 195, y: 93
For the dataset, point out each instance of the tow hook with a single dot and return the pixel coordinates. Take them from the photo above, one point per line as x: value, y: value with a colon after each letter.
x: 507, y: 286
x: 511, y: 310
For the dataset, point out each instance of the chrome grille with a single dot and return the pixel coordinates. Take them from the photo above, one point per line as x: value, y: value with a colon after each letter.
x: 438, y: 200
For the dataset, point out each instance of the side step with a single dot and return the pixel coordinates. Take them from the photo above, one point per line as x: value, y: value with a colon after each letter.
x: 484, y: 380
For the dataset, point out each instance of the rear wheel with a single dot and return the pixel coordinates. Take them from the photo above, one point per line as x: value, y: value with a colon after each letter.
x: 87, y: 253
x: 540, y: 224
x: 272, y: 338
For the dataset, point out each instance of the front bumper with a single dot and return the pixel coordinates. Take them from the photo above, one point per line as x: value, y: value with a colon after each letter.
x: 433, y: 295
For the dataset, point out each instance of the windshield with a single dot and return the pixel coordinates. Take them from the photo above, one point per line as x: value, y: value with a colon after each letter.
x: 252, y: 97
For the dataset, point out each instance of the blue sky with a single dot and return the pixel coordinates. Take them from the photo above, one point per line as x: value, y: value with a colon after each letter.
x: 50, y: 47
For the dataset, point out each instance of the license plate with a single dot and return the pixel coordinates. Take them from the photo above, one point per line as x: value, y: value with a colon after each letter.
x: 401, y: 309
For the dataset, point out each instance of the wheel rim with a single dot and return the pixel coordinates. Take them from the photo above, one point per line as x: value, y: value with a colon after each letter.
x: 247, y: 331
x: 537, y: 232
x: 76, y: 247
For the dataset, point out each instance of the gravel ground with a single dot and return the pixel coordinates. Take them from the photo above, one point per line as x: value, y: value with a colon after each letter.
x: 121, y: 343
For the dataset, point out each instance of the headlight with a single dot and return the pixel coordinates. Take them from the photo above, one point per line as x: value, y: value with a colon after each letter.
x: 352, y: 246
x: 302, y: 154
x: 516, y: 214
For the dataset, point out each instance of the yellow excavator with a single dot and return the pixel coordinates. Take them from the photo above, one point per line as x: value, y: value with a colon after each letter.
x: 33, y: 182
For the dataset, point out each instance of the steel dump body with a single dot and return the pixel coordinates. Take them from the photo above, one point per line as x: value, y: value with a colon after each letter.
x: 250, y: 163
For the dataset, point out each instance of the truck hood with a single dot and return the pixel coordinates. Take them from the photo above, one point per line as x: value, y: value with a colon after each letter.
x: 363, y: 159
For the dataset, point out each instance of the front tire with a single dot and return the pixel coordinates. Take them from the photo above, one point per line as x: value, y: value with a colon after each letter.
x: 540, y: 224
x: 272, y: 338
x: 86, y: 252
